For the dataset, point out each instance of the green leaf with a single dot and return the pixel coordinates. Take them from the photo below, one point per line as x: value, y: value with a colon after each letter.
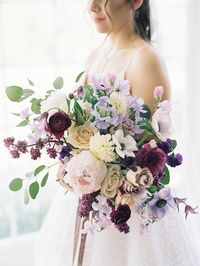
x: 23, y: 123
x: 166, y: 178
x: 152, y: 189
x: 68, y: 105
x: 14, y: 93
x: 174, y: 143
x: 79, y: 76
x: 28, y: 92
x: 79, y: 114
x: 146, y: 115
x: 39, y: 169
x: 16, y: 184
x: 44, y: 180
x: 34, y: 189
x: 17, y: 114
x: 35, y: 105
x: 58, y: 83
x: 78, y: 107
x: 50, y: 91
x: 30, y: 82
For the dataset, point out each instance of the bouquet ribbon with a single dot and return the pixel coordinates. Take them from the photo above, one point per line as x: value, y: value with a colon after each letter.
x: 79, y: 240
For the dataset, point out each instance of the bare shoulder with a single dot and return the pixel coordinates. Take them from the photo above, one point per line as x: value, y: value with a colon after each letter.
x: 147, y: 71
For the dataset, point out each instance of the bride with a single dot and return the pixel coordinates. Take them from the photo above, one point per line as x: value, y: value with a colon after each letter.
x: 128, y: 52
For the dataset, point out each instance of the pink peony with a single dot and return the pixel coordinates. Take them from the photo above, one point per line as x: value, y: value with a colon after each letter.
x: 85, y: 173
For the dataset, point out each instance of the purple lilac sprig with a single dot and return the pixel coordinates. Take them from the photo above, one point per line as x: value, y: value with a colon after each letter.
x: 16, y: 148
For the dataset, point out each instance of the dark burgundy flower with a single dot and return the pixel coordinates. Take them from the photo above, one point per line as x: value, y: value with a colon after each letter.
x: 123, y: 227
x: 121, y: 214
x: 65, y: 152
x: 57, y: 124
x: 153, y: 158
x: 174, y: 160
x: 166, y: 146
x: 127, y: 162
x: 85, y: 205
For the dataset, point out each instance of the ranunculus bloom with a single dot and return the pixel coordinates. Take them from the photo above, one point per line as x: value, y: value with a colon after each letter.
x: 125, y: 199
x: 111, y: 181
x: 57, y: 124
x: 152, y: 158
x: 140, y: 177
x: 79, y: 136
x: 85, y: 173
x: 121, y: 215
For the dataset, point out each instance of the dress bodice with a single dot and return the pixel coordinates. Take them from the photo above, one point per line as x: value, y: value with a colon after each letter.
x: 122, y: 73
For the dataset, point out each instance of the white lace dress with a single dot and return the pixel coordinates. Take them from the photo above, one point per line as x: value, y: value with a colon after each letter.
x: 168, y: 244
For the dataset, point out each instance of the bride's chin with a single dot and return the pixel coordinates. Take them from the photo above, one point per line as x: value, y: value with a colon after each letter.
x: 101, y: 29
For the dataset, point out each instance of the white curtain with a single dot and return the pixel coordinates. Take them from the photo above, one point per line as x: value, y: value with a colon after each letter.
x: 177, y: 35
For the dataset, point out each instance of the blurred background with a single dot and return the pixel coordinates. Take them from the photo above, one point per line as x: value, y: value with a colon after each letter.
x: 41, y: 40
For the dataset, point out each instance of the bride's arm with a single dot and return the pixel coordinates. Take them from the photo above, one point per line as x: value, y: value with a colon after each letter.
x: 147, y: 71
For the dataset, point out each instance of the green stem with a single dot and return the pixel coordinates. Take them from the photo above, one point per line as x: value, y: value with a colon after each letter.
x: 143, y: 139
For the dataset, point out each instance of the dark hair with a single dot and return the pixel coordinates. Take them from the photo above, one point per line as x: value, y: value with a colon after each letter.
x: 142, y: 20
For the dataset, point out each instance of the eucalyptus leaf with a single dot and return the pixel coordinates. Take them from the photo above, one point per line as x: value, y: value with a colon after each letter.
x: 16, y: 184
x: 35, y: 105
x: 39, y: 169
x: 79, y: 76
x: 44, y: 180
x: 26, y: 196
x: 58, y: 83
x: 34, y: 189
x: 14, y: 93
x: 30, y: 82
x: 23, y: 123
x: 16, y: 114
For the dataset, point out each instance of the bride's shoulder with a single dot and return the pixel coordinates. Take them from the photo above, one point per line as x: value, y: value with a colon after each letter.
x: 148, y: 62
x: 147, y: 54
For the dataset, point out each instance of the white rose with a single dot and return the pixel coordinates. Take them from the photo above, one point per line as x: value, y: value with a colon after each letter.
x: 55, y: 100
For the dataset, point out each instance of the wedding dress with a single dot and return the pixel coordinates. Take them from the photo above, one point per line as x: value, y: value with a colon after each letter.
x: 167, y: 244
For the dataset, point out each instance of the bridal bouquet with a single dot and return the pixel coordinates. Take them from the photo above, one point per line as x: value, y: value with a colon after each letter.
x: 111, y: 151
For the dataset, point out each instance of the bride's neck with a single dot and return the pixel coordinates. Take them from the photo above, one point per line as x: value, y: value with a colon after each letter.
x: 120, y: 40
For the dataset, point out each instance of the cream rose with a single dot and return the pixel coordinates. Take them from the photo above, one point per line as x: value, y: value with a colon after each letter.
x: 79, y: 136
x: 111, y: 182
